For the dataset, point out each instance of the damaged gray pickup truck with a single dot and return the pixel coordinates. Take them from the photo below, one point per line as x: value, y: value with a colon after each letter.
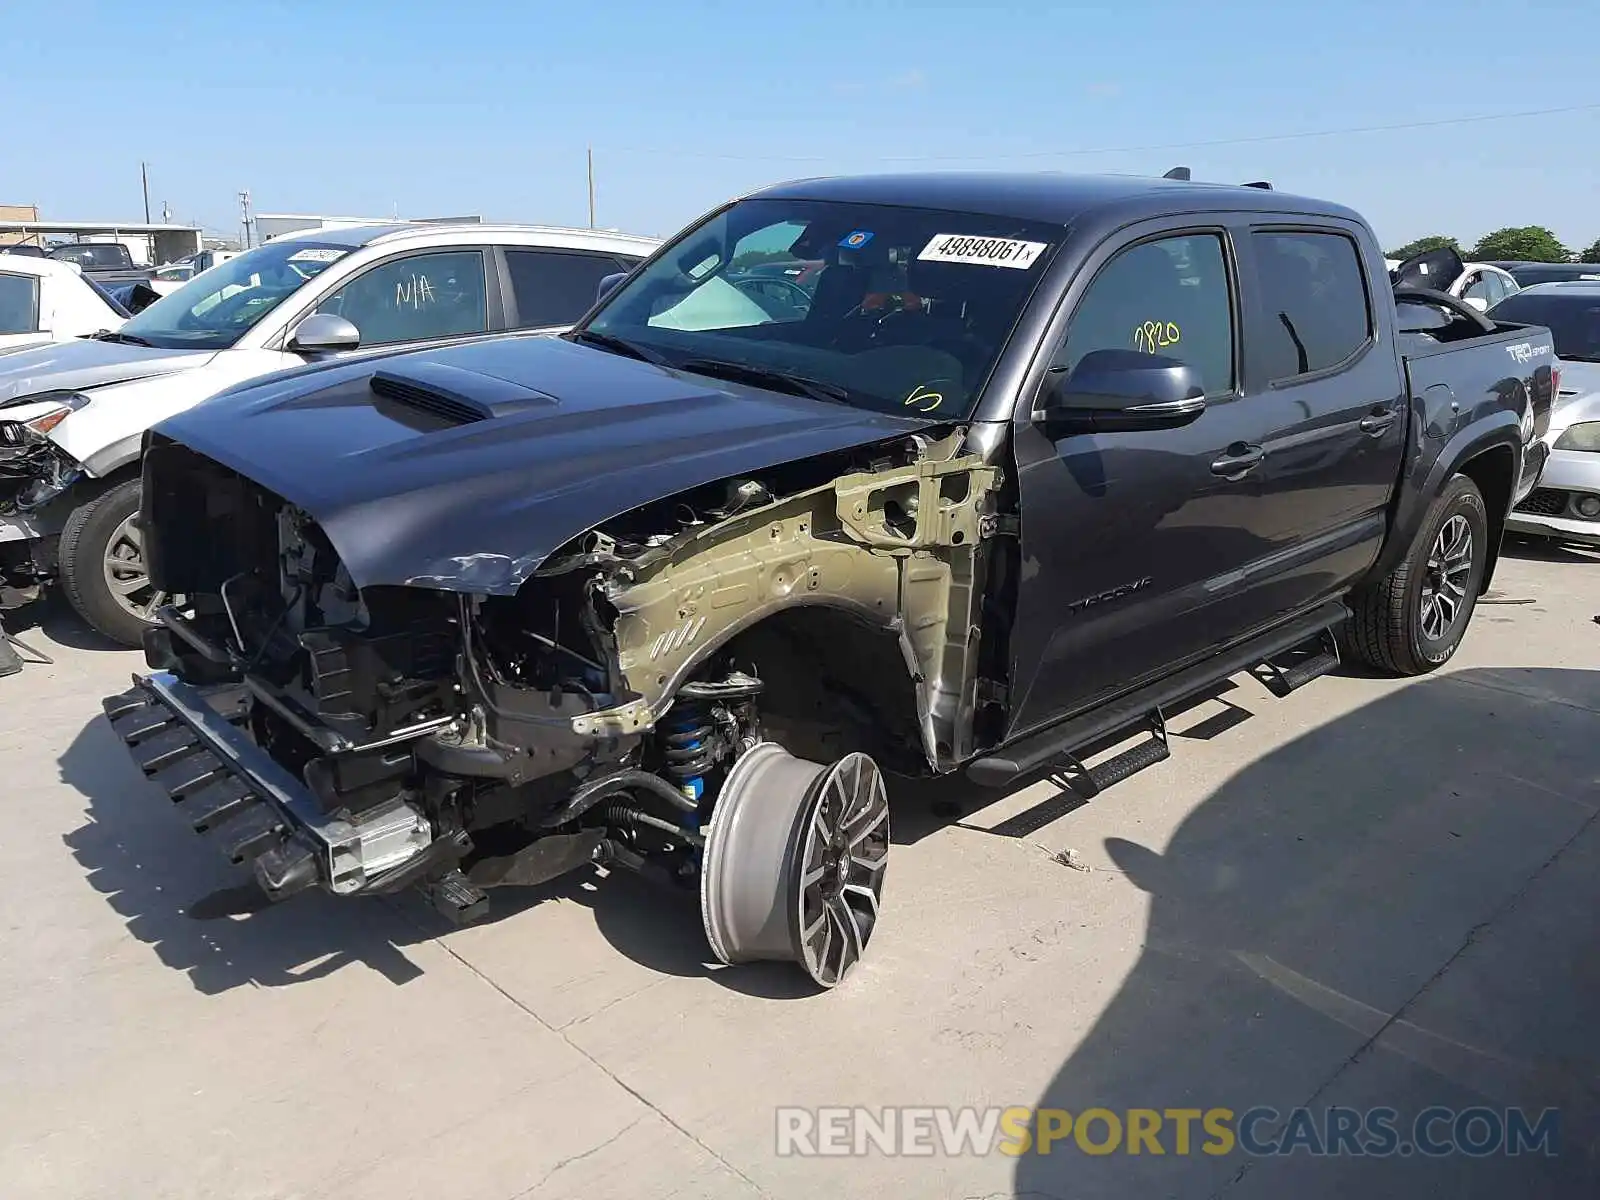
x: 1007, y: 469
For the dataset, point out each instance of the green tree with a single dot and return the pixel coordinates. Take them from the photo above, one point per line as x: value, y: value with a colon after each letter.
x: 1530, y: 243
x: 1592, y: 254
x: 1433, y: 241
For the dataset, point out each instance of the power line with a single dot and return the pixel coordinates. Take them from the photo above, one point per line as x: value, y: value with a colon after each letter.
x: 1145, y: 149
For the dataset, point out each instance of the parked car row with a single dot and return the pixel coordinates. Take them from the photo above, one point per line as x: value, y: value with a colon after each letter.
x: 1009, y: 466
x: 43, y: 300
x: 1566, y: 505
x: 69, y: 498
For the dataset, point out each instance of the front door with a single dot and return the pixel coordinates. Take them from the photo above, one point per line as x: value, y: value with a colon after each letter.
x: 1122, y: 531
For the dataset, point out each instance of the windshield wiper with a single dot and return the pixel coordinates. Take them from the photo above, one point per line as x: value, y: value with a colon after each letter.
x: 616, y: 345
x: 767, y: 377
x: 128, y: 339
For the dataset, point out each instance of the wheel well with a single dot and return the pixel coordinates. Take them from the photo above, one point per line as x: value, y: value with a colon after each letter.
x: 1494, y: 472
x: 89, y: 487
x: 833, y: 684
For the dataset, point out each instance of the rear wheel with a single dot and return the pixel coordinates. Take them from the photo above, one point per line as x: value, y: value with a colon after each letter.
x: 1412, y: 621
x: 103, y: 569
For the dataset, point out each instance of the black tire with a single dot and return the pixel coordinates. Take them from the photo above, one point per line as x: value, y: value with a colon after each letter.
x: 85, y: 541
x: 1394, y: 627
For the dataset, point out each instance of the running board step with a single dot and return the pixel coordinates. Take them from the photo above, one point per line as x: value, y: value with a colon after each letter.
x: 1130, y: 762
x: 1286, y: 674
x: 1051, y: 744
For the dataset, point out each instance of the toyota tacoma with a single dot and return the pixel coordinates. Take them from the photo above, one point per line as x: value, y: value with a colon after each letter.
x: 1035, y: 459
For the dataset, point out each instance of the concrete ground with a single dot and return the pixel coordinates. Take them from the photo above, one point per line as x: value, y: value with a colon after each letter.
x: 1371, y: 893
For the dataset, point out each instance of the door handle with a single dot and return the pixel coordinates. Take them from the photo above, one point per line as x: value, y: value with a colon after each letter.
x: 1237, y: 465
x: 1375, y: 423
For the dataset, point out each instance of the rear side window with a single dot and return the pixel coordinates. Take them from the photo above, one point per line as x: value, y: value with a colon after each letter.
x: 19, y: 304
x: 556, y: 287
x: 1315, y: 300
x: 1168, y: 297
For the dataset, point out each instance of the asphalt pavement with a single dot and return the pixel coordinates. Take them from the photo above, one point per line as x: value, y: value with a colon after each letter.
x: 1370, y: 896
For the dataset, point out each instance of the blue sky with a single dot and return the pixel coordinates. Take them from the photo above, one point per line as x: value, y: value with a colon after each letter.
x: 435, y: 108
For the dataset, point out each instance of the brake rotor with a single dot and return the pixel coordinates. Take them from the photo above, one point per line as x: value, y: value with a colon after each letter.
x: 794, y: 861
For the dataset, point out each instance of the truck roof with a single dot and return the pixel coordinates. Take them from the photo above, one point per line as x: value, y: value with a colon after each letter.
x: 1055, y: 198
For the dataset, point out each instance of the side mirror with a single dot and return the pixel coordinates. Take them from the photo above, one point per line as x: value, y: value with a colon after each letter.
x: 324, y: 333
x: 609, y: 285
x: 1122, y: 390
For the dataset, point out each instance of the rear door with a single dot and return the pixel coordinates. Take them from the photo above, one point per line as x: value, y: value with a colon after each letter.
x: 1322, y: 376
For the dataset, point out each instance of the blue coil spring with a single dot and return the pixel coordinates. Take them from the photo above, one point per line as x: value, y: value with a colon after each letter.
x: 690, y: 753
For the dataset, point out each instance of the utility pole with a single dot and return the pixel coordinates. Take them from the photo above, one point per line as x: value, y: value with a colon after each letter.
x: 144, y: 178
x: 244, y: 215
x: 591, y: 187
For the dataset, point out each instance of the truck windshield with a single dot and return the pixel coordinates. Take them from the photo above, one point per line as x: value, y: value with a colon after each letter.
x: 901, y: 310
x: 1573, y: 319
x: 214, y: 310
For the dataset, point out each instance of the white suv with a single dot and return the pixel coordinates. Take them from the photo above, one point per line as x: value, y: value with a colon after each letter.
x: 73, y: 415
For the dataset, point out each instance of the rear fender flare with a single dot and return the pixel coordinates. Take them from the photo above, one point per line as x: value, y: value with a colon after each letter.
x: 1425, y: 478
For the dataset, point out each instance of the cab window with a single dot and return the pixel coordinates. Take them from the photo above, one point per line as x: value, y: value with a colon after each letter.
x: 1314, y: 298
x: 1169, y: 297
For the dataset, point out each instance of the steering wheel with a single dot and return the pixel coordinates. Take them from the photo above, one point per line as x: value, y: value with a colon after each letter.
x: 755, y: 285
x: 1449, y: 303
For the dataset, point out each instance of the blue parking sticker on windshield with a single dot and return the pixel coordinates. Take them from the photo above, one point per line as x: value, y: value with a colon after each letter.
x: 856, y: 240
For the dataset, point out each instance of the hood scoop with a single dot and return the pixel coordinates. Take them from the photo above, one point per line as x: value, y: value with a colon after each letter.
x: 451, y: 395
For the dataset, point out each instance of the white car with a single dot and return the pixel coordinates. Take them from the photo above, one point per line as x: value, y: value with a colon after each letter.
x: 1479, y: 284
x: 43, y: 300
x: 73, y: 415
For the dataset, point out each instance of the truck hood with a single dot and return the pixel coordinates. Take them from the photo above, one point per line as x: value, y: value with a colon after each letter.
x: 86, y: 363
x: 576, y: 436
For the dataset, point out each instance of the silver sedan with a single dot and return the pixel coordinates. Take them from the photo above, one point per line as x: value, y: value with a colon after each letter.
x: 1566, y: 503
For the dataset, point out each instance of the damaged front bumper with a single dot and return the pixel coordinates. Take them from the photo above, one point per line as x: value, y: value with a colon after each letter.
x: 188, y: 741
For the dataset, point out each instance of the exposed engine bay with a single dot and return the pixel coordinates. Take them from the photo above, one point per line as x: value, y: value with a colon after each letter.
x: 34, y: 471
x: 601, y: 714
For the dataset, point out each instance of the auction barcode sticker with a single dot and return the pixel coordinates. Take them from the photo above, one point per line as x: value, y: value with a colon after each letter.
x: 322, y: 254
x: 982, y: 251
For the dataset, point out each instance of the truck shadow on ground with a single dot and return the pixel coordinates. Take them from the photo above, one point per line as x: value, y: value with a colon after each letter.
x: 1399, y: 908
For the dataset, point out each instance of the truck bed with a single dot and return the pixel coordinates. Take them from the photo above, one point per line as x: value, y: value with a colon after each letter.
x: 1458, y: 376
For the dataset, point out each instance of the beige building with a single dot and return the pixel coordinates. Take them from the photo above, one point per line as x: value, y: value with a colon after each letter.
x: 19, y: 212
